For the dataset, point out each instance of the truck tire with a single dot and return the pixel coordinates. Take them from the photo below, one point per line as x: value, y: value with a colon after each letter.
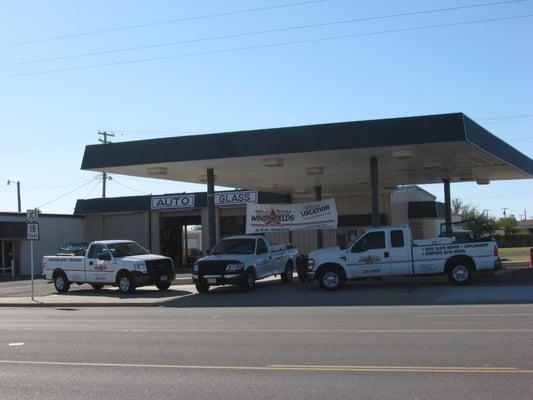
x: 163, y: 285
x: 97, y: 286
x: 61, y: 282
x: 125, y: 283
x: 286, y: 277
x: 460, y: 273
x: 248, y: 281
x: 202, y: 287
x: 331, y: 278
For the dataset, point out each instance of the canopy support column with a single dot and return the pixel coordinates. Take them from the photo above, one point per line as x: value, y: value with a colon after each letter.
x: 211, y: 219
x: 319, y: 235
x: 374, y: 184
x: 447, y: 207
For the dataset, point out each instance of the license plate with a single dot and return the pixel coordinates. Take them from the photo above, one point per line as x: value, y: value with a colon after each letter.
x: 211, y: 280
x: 164, y: 278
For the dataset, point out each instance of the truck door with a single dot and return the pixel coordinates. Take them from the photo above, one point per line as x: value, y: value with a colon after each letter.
x: 98, y: 264
x: 369, y: 256
x: 400, y: 253
x: 264, y: 259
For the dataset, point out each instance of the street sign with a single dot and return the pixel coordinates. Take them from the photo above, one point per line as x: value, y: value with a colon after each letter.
x: 32, y: 231
x: 31, y: 215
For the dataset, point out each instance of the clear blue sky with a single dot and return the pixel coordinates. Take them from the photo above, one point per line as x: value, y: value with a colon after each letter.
x: 483, y: 70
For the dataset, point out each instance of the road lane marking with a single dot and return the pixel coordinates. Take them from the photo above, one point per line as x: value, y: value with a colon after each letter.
x: 295, y: 368
x: 472, y: 315
x: 278, y: 331
x: 17, y: 344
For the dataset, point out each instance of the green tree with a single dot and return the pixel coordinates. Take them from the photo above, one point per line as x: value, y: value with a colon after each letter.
x: 508, y: 224
x: 477, y: 221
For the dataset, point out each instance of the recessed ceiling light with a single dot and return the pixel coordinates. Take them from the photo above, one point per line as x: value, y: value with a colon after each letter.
x: 314, y: 170
x: 273, y: 162
x: 402, y: 154
x: 157, y: 170
x: 203, y: 178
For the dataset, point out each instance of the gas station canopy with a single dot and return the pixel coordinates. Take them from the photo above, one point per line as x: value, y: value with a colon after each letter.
x: 411, y: 150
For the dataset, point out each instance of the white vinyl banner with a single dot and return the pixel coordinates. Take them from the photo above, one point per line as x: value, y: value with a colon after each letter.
x: 291, y: 217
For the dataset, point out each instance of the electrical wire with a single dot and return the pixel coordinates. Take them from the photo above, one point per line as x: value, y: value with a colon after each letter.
x: 128, y: 187
x: 94, y: 187
x: 261, y: 32
x: 69, y: 192
x: 272, y: 45
x: 150, y: 24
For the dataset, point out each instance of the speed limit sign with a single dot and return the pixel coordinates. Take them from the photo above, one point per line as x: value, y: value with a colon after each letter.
x: 32, y: 232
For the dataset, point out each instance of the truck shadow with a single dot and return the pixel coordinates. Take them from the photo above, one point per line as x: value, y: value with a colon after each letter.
x: 141, y: 293
x: 504, y: 287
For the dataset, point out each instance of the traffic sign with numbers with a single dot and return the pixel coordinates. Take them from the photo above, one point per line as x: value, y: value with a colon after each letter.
x: 32, y: 232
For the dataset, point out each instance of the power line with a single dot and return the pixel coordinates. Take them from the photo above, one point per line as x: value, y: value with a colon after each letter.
x: 129, y: 187
x: 260, y: 32
x: 69, y: 192
x: 92, y: 190
x: 272, y: 45
x: 170, y: 21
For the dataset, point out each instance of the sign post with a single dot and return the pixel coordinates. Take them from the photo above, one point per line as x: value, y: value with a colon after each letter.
x: 32, y: 234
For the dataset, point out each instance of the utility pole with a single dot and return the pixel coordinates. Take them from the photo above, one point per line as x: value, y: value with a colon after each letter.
x: 505, y: 211
x: 9, y: 182
x: 104, y: 141
x: 486, y: 212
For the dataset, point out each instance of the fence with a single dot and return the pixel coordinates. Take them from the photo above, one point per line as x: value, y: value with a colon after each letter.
x: 515, y: 241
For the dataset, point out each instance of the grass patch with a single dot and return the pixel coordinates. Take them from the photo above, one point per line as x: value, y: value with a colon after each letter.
x: 515, y: 253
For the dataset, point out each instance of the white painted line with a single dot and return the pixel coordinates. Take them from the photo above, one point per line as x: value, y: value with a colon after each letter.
x: 471, y: 315
x: 17, y: 344
x: 294, y: 368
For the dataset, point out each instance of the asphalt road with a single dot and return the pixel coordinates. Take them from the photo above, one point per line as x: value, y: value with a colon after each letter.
x: 335, y: 352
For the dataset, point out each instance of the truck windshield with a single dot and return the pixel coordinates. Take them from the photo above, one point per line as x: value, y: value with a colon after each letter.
x: 235, y: 246
x: 126, y: 249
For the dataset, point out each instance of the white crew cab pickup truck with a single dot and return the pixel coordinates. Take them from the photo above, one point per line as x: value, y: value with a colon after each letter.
x: 390, y: 251
x: 121, y: 263
x: 241, y: 260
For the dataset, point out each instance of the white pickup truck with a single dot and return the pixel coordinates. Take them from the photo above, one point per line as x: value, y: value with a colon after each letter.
x: 241, y: 260
x: 121, y: 263
x: 390, y: 251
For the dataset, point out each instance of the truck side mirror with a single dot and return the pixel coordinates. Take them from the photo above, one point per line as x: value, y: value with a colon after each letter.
x: 104, y: 257
x: 208, y: 251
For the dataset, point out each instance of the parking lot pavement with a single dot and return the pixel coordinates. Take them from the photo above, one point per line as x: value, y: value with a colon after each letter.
x: 21, y: 287
x: 506, y: 287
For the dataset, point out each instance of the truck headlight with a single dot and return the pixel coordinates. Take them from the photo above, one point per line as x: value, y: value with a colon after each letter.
x: 195, y: 268
x: 310, y: 264
x: 140, y: 267
x: 239, y: 267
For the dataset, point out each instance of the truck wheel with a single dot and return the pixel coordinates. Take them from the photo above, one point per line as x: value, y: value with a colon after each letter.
x: 163, y: 285
x: 331, y: 278
x: 125, y: 282
x: 286, y: 277
x: 202, y: 287
x: 97, y: 286
x: 61, y: 282
x: 460, y: 273
x: 248, y: 281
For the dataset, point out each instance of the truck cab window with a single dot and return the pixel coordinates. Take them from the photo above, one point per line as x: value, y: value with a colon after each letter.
x: 370, y: 241
x: 96, y: 250
x: 261, y: 247
x: 396, y: 238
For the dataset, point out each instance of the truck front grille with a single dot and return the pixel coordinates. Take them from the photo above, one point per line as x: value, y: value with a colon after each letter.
x: 213, y: 267
x: 157, y: 268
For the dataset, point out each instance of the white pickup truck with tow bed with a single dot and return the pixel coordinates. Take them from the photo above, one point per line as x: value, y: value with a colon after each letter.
x: 121, y: 263
x: 390, y: 251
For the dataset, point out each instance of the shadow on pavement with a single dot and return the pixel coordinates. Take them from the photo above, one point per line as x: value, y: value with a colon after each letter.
x: 112, y: 292
x: 509, y: 286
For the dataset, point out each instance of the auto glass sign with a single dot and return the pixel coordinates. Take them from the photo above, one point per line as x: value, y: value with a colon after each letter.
x: 291, y: 217
x: 173, y: 201
x: 235, y: 198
